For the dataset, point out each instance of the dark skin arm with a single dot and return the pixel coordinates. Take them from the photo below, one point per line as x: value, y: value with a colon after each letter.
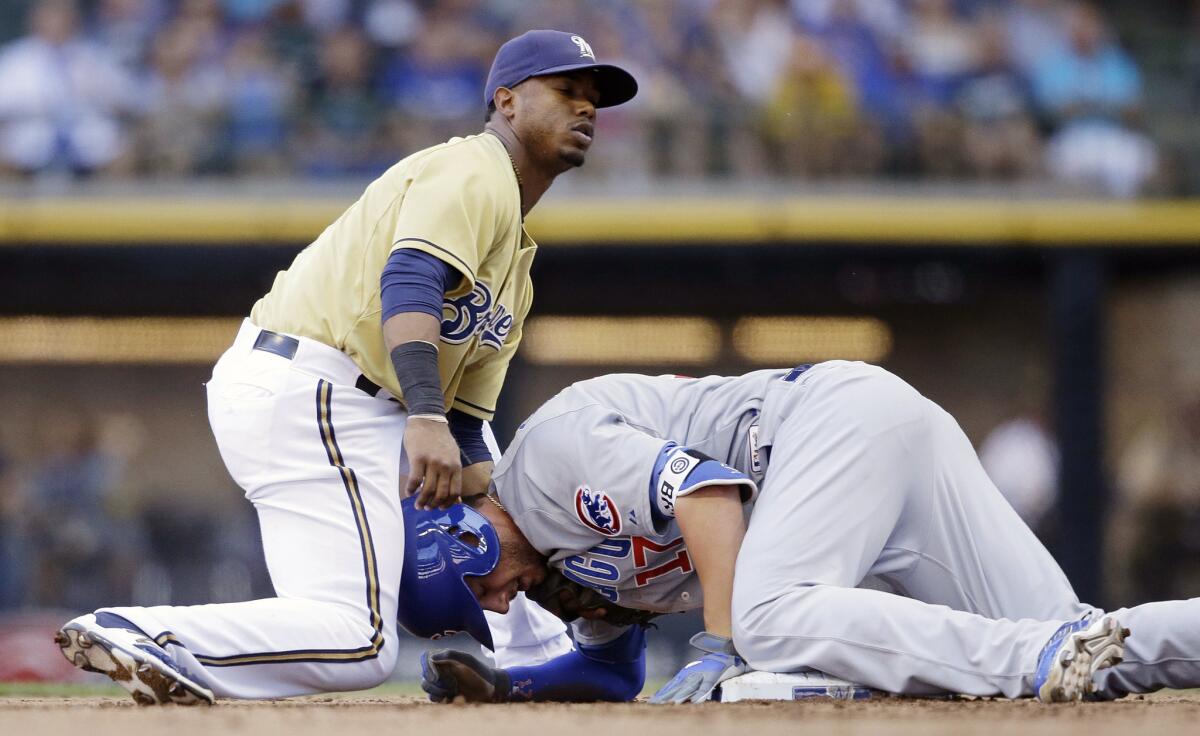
x: 434, y: 466
x: 535, y: 125
x: 476, y: 477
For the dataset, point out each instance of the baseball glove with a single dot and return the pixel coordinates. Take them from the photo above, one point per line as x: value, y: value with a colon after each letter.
x: 569, y: 600
x: 447, y: 675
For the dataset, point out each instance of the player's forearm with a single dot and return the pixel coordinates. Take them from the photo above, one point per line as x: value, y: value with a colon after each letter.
x: 712, y: 525
x: 612, y: 672
x: 411, y: 340
x: 476, y: 477
x: 408, y: 326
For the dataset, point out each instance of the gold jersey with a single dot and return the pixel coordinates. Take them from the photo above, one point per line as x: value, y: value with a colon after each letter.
x: 458, y: 201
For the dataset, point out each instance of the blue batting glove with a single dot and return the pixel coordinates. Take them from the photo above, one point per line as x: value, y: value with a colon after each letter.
x: 696, y: 681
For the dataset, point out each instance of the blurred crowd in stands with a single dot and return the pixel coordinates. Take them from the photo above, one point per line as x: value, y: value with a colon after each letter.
x: 77, y: 533
x: 1028, y: 90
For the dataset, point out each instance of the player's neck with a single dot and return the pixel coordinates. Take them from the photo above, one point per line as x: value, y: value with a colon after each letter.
x: 532, y: 179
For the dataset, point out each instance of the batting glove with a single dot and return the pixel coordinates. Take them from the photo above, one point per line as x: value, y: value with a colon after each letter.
x: 447, y: 675
x: 696, y: 681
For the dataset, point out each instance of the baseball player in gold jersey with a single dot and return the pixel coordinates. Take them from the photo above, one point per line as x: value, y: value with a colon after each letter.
x: 367, y: 374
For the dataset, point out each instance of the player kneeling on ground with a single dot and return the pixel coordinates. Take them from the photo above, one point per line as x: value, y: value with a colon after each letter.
x: 368, y: 373
x: 767, y: 499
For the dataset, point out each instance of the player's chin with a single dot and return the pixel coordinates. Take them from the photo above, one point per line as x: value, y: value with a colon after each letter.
x: 573, y: 155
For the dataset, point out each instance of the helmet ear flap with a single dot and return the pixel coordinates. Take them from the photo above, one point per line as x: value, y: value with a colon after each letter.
x: 441, y: 547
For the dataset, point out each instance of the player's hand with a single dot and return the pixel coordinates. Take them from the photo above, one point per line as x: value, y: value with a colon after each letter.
x: 695, y: 682
x: 447, y: 675
x: 435, y: 467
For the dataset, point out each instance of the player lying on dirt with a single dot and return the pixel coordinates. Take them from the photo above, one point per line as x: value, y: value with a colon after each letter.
x: 637, y: 490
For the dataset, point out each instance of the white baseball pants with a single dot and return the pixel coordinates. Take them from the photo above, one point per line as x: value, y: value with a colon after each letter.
x: 321, y: 461
x: 867, y: 477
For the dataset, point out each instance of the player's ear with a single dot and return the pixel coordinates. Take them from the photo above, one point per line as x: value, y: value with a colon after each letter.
x: 505, y: 101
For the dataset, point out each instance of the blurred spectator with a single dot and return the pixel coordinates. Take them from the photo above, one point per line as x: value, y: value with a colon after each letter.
x: 293, y: 41
x: 392, y: 23
x: 260, y: 100
x: 126, y: 28
x: 84, y: 541
x: 250, y: 12
x: 340, y: 128
x: 884, y: 18
x: 1091, y: 93
x: 999, y: 136
x: 1021, y: 458
x: 911, y: 88
x: 206, y: 18
x: 697, y: 124
x: 13, y: 552
x: 61, y: 97
x: 755, y: 37
x: 1159, y: 476
x: 1035, y: 30
x: 436, y: 85
x: 12, y: 19
x: 325, y: 13
x: 869, y: 62
x: 754, y: 43
x: 184, y: 99
x: 1191, y: 104
x: 940, y: 50
x: 812, y: 119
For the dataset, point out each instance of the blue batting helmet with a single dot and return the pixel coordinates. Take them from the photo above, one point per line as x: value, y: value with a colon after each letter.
x: 441, y: 546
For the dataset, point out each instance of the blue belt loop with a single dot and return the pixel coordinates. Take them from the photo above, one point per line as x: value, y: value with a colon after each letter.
x: 285, y: 347
x: 796, y: 372
x: 276, y: 344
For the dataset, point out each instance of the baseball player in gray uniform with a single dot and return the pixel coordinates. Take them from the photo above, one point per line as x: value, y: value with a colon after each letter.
x: 767, y: 499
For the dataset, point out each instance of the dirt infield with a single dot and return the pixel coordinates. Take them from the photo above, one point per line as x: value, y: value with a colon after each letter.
x: 1176, y: 713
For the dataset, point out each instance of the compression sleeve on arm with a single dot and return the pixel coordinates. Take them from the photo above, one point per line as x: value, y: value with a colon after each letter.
x: 468, y: 433
x: 614, y: 671
x: 414, y: 281
x: 416, y: 366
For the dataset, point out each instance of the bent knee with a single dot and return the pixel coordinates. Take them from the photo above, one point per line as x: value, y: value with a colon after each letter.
x: 760, y: 624
x: 377, y: 654
x: 374, y: 669
x: 378, y: 670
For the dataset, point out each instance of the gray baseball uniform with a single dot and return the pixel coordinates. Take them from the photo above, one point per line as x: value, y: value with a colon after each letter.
x: 603, y: 438
x: 860, y: 476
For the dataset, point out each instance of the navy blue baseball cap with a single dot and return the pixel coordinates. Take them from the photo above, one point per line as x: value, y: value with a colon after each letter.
x: 540, y: 53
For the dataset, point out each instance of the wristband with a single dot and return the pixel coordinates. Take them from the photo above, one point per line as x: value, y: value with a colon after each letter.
x: 431, y: 417
x: 416, y: 365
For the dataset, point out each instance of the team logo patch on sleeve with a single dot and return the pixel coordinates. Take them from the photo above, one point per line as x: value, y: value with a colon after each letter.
x: 672, y: 478
x: 597, y: 511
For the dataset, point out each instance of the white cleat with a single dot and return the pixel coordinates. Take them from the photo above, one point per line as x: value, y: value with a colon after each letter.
x: 131, y: 660
x: 1069, y: 662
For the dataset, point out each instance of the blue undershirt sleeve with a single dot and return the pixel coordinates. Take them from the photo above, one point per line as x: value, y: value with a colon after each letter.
x: 468, y: 433
x: 414, y: 281
x: 615, y: 671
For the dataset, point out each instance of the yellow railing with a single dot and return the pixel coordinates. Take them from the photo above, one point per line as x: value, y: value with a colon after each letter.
x: 883, y: 221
